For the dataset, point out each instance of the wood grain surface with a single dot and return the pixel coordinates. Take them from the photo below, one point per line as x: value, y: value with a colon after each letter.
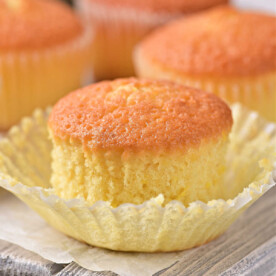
x: 247, y: 248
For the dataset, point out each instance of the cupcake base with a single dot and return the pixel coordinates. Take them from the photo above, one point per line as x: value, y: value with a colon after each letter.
x: 149, y: 227
x: 113, y: 173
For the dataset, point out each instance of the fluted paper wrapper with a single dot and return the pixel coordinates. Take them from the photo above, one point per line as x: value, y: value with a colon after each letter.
x: 258, y: 94
x: 40, y: 77
x: 25, y: 171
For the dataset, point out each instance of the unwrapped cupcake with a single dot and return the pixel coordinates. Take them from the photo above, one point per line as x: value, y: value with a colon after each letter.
x: 129, y: 140
x: 225, y: 51
x: 120, y: 24
x: 44, y: 54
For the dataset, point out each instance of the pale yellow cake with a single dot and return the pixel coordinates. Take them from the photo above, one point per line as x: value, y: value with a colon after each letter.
x: 130, y: 140
x: 44, y: 54
x: 225, y: 51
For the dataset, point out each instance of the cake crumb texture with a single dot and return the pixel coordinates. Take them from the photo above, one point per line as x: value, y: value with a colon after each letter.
x: 122, y: 177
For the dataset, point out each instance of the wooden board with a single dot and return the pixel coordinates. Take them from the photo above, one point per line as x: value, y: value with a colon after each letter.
x: 247, y: 248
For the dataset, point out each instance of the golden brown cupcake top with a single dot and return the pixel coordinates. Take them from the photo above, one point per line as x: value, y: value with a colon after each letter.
x: 222, y: 41
x: 36, y: 24
x: 174, y: 6
x: 139, y: 114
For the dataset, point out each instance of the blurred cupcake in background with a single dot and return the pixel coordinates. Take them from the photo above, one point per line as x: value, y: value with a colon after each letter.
x: 225, y: 51
x: 120, y: 24
x: 44, y: 54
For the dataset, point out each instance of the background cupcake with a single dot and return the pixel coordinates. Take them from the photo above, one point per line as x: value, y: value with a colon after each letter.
x: 225, y: 51
x: 44, y: 54
x: 120, y: 24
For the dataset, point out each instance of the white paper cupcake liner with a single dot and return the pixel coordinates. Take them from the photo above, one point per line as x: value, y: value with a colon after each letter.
x: 25, y: 171
x: 258, y: 94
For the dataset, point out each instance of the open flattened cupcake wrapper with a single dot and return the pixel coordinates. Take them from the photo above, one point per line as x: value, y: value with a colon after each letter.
x: 25, y: 171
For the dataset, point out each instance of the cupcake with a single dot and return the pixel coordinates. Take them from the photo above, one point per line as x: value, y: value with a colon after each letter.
x: 130, y: 140
x: 120, y: 24
x: 225, y: 51
x: 25, y: 165
x: 44, y: 54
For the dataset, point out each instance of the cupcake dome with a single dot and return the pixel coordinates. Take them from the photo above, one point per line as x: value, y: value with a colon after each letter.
x: 43, y: 55
x: 129, y: 140
x: 225, y: 51
x: 119, y: 25
x: 33, y: 24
